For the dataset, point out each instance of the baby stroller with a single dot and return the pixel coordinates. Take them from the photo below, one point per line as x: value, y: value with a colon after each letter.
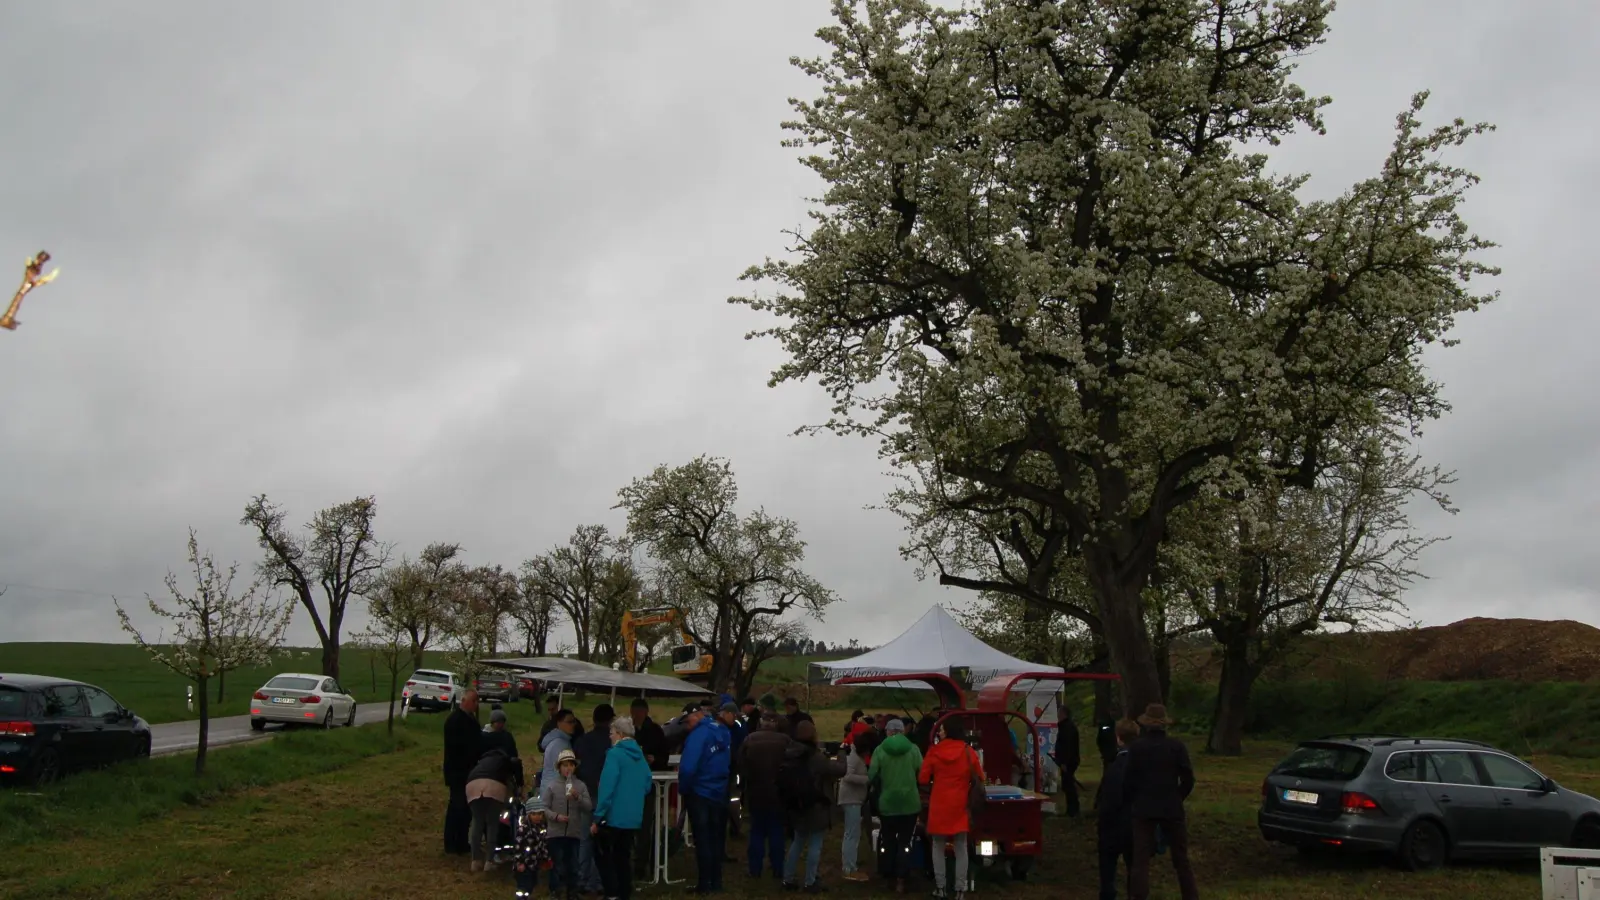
x: 510, y: 820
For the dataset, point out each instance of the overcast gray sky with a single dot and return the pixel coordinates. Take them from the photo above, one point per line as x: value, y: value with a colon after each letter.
x: 472, y: 259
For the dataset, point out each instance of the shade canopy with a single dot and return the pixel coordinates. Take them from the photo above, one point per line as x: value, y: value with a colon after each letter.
x: 593, y: 677
x: 935, y: 643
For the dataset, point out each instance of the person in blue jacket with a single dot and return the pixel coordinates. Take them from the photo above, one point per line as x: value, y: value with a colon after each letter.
x: 625, y: 784
x: 703, y: 786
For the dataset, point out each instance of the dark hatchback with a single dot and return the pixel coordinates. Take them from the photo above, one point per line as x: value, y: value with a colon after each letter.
x: 51, y: 726
x: 1426, y: 800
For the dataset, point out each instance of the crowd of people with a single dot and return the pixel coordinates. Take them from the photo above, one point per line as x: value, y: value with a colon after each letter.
x: 585, y: 826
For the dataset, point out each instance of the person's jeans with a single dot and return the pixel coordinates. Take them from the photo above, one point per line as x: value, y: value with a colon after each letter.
x: 766, y: 840
x: 709, y: 818
x: 527, y: 884
x: 811, y: 842
x: 895, y: 840
x: 612, y: 849
x: 563, y: 865
x: 1144, y: 842
x: 588, y: 872
x: 851, y: 848
x: 457, y: 819
x: 1109, y: 855
x: 1069, y: 786
x: 939, y: 842
x: 484, y: 834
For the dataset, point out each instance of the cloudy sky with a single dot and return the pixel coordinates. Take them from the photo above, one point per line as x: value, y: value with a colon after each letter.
x: 472, y: 259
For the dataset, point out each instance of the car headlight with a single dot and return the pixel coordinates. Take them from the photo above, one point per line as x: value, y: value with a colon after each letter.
x: 988, y: 848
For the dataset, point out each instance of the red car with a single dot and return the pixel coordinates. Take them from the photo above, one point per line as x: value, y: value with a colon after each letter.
x: 528, y: 687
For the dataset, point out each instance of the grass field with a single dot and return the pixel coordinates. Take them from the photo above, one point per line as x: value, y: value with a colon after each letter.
x: 153, y: 692
x: 372, y: 831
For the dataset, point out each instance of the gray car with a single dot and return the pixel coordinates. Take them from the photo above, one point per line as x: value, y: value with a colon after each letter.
x: 1426, y: 800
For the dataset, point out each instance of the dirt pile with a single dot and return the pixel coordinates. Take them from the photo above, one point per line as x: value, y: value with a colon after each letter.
x: 1477, y: 649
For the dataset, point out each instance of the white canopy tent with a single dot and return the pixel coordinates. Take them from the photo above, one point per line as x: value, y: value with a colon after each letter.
x: 935, y: 643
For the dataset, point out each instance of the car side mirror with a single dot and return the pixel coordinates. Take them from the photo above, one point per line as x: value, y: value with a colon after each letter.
x: 113, y: 717
x: 1548, y: 786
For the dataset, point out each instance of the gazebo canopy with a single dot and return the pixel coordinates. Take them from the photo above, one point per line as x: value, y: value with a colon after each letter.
x: 935, y: 643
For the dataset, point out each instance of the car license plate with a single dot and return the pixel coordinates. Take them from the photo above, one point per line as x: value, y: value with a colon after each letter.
x: 1300, y: 797
x: 282, y: 699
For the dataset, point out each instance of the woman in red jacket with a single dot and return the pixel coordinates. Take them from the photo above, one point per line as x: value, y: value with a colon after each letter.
x: 951, y: 766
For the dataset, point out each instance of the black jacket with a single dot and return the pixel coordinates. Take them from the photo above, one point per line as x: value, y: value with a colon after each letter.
x: 1113, y: 820
x: 495, y: 765
x: 653, y: 741
x: 463, y: 745
x: 1159, y: 778
x: 505, y: 743
x: 1067, y: 754
x: 591, y: 750
x: 1105, y: 740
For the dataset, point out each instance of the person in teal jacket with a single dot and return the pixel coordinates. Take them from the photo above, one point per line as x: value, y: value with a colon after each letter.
x: 625, y: 784
x: 893, y: 775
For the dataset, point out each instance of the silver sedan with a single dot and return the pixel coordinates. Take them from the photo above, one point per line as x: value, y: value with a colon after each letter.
x: 298, y: 699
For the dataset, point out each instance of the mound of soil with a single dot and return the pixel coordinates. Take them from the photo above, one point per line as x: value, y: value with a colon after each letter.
x: 1477, y: 649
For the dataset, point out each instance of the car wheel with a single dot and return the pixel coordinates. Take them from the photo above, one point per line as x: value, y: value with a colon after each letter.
x: 327, y: 720
x: 47, y: 767
x: 350, y: 721
x: 1424, y: 846
x: 258, y: 724
x: 143, y: 750
x: 1587, y: 835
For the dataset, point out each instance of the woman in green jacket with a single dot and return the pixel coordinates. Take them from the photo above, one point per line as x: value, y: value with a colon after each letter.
x: 893, y: 774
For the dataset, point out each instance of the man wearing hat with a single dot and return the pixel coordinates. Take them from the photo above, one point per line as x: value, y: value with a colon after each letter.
x: 1158, y: 779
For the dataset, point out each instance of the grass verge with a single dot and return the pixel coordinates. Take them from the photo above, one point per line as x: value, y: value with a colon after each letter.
x: 118, y: 800
x: 373, y: 831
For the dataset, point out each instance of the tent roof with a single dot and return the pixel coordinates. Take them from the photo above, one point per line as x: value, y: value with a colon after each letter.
x: 591, y: 676
x: 935, y: 643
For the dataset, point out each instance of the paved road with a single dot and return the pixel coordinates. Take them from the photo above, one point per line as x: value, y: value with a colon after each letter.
x: 175, y: 737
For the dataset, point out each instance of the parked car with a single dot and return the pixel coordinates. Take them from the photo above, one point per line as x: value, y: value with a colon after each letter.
x: 51, y: 726
x: 497, y: 687
x: 1426, y: 800
x: 432, y: 689
x: 528, y: 687
x: 294, y: 698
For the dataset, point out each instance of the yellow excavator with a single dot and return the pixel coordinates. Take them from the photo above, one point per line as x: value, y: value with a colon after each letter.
x: 689, y: 660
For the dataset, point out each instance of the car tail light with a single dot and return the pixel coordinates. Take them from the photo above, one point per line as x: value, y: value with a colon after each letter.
x: 8, y: 770
x: 310, y: 699
x: 259, y: 695
x: 504, y: 684
x: 411, y: 684
x: 1359, y: 804
x: 20, y: 729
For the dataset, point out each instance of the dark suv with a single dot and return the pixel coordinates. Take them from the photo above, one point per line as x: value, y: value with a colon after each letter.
x: 1427, y: 800
x: 49, y: 726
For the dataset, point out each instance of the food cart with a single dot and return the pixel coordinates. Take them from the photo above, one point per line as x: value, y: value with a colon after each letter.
x: 1009, y: 829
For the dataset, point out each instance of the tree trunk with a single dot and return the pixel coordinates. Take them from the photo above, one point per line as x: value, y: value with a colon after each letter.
x: 221, y: 680
x: 394, y: 689
x: 205, y: 730
x: 1105, y: 705
x: 330, y: 657
x: 1233, y: 700
x: 1127, y: 640
x: 416, y: 656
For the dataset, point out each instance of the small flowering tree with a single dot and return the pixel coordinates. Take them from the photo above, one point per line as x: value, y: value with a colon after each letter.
x: 213, y: 631
x: 390, y: 644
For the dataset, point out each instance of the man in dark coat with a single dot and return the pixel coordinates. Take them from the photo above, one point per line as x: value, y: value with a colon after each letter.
x: 1159, y: 778
x: 1068, y: 756
x: 652, y: 743
x: 760, y: 757
x: 1114, y: 824
x: 552, y: 705
x: 499, y: 738
x: 463, y: 745
x: 591, y: 752
x: 792, y: 711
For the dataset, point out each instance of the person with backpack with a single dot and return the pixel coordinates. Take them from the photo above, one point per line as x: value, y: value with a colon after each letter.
x: 1158, y: 781
x: 760, y: 759
x: 893, y: 773
x: 703, y: 786
x: 950, y: 767
x: 802, y: 784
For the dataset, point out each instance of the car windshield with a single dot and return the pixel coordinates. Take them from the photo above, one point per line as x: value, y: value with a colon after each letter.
x: 1325, y: 762
x: 291, y: 683
x: 13, y: 703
